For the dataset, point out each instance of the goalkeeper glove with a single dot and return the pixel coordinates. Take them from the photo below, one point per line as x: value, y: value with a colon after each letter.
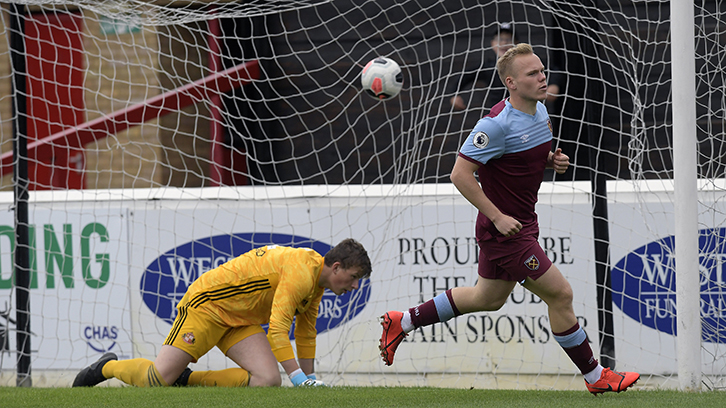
x: 299, y: 378
x: 313, y: 383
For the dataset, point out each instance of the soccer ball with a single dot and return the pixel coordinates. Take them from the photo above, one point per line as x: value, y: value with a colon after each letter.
x: 382, y: 78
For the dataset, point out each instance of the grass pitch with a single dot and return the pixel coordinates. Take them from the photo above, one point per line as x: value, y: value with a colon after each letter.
x: 358, y: 397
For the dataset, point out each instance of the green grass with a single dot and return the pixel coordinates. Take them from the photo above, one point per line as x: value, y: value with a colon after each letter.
x: 358, y: 397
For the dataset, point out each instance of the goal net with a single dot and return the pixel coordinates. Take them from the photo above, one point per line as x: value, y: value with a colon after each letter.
x: 166, y: 137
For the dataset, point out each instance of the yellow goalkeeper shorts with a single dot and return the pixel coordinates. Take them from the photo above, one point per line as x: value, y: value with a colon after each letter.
x: 195, y: 332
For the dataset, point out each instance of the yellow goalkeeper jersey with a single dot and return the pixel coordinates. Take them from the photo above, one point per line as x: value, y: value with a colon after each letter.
x: 270, y: 284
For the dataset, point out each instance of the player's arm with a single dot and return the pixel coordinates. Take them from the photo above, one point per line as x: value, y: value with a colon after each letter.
x: 302, y: 374
x: 290, y: 366
x: 306, y: 334
x: 463, y: 178
x: 293, y: 287
x: 281, y: 317
x: 307, y: 365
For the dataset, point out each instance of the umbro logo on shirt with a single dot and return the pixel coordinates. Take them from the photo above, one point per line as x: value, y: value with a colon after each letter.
x: 524, y: 138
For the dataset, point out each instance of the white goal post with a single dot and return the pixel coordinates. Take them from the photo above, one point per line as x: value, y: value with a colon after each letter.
x: 688, y: 290
x: 166, y: 136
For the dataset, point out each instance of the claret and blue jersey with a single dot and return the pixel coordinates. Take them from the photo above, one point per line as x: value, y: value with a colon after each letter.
x: 511, y: 148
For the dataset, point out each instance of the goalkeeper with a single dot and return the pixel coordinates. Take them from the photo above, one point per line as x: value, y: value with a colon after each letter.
x: 226, y: 306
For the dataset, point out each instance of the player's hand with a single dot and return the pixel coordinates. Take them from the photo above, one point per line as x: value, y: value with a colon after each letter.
x: 507, y: 225
x: 313, y: 383
x: 559, y: 161
x: 457, y: 102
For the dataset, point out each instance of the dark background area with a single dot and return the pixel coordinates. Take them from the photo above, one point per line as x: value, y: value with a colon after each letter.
x: 308, y: 122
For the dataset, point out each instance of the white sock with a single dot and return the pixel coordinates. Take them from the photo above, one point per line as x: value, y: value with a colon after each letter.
x: 406, y: 323
x: 594, y: 375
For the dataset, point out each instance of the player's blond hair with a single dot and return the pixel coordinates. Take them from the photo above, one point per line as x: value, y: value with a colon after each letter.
x: 504, y: 63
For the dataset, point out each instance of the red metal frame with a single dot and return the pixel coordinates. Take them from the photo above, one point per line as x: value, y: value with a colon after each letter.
x: 55, y: 101
x: 73, y: 139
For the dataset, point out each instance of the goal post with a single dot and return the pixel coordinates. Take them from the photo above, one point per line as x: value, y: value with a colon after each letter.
x: 684, y: 171
x: 21, y: 258
x: 152, y: 163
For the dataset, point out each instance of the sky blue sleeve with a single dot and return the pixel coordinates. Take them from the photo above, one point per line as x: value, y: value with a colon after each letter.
x: 485, y: 142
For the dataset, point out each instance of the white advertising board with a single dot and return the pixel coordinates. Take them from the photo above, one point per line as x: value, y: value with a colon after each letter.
x: 79, y: 290
x: 133, y: 255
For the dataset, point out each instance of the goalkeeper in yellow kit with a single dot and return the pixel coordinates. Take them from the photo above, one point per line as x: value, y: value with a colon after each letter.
x: 226, y: 306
